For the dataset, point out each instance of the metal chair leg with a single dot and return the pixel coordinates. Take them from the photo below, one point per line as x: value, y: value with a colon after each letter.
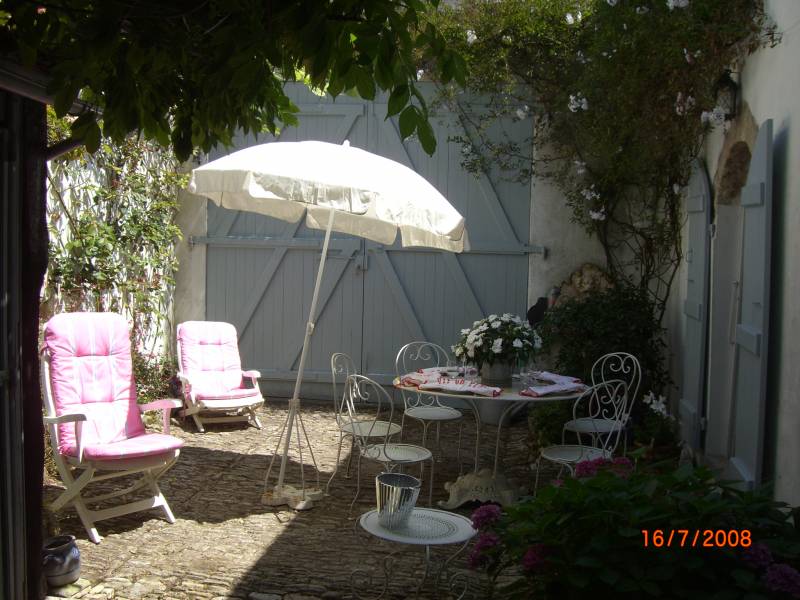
x: 430, y: 486
x: 336, y: 464
x: 358, y: 483
x: 350, y: 456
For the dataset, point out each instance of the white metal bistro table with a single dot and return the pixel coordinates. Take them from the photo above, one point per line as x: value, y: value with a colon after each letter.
x: 487, y: 485
x: 426, y: 527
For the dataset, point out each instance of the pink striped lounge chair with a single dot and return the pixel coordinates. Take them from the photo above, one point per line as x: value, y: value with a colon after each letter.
x: 214, y: 387
x: 94, y: 420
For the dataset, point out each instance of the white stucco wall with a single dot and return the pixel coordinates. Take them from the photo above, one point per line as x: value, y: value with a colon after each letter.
x: 190, y: 280
x: 568, y: 245
x: 770, y: 86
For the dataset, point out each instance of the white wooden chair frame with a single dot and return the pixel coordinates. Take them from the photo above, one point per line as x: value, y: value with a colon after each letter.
x: 225, y: 410
x: 151, y: 467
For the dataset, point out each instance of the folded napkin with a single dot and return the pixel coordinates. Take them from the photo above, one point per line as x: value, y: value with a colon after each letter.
x: 432, y: 371
x: 542, y: 390
x: 416, y: 379
x: 554, y: 377
x: 462, y: 386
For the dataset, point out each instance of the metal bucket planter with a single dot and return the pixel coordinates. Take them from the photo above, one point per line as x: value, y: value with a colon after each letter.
x: 397, y: 495
x: 497, y: 374
x: 61, y: 560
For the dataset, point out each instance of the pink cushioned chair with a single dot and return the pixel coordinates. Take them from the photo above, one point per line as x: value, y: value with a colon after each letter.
x: 213, y: 381
x: 94, y: 420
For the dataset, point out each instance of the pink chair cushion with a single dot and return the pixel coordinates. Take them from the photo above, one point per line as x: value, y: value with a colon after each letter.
x: 230, y: 394
x: 148, y: 444
x: 91, y: 373
x: 209, y: 355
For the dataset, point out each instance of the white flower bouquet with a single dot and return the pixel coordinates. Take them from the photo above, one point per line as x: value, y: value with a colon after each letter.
x: 505, y: 339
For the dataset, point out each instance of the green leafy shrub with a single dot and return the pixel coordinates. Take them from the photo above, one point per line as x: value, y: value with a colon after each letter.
x: 545, y: 424
x: 584, y: 538
x: 576, y: 332
x: 155, y: 377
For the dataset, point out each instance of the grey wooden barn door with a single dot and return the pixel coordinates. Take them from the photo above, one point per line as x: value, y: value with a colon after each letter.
x: 419, y: 294
x: 695, y: 305
x: 260, y: 271
x: 753, y: 327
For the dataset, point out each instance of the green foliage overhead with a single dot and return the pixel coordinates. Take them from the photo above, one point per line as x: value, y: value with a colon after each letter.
x: 623, y: 92
x: 190, y: 74
x: 584, y: 538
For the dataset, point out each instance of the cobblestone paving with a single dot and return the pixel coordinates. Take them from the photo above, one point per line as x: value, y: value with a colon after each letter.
x: 227, y: 544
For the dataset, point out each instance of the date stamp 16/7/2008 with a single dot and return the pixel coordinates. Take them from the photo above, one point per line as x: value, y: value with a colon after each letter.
x: 696, y: 538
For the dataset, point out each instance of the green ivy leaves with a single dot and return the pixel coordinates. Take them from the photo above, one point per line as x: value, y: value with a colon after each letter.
x: 191, y: 78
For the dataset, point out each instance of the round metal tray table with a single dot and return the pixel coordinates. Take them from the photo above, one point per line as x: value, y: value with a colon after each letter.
x: 426, y: 527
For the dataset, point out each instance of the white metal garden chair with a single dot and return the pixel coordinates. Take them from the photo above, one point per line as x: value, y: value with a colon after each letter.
x: 215, y: 388
x: 93, y: 418
x: 606, y: 438
x: 425, y: 408
x: 613, y: 366
x: 342, y: 366
x: 361, y: 391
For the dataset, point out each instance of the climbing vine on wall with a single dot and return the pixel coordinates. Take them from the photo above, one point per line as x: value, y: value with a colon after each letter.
x: 111, y: 219
x: 622, y: 93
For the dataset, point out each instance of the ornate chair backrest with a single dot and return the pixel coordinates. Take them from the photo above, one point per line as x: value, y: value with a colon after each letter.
x: 420, y: 355
x: 87, y: 368
x: 619, y: 366
x: 360, y: 390
x: 604, y: 401
x: 208, y: 353
x: 342, y: 366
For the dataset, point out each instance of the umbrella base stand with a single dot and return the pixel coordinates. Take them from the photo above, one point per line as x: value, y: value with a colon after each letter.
x: 281, y: 493
x: 294, y: 498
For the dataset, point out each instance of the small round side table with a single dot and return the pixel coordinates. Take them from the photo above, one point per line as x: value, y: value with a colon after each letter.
x: 426, y: 527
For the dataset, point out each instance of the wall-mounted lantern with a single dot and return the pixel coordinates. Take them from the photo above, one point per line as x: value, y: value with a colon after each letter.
x: 726, y: 92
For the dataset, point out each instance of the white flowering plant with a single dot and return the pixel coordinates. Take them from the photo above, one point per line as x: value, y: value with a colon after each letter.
x: 504, y: 338
x: 655, y: 424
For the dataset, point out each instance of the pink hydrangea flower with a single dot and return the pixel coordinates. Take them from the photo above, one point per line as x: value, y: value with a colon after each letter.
x: 485, y: 515
x: 781, y: 577
x: 758, y: 556
x: 478, y: 557
x: 534, y: 558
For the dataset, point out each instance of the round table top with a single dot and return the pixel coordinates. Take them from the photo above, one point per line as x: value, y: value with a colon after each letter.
x: 509, y: 394
x: 426, y: 527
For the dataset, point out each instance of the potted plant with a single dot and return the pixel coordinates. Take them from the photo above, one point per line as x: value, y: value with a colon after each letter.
x: 495, y: 344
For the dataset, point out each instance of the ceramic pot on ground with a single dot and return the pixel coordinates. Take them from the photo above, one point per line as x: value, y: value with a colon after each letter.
x: 497, y: 374
x: 61, y: 560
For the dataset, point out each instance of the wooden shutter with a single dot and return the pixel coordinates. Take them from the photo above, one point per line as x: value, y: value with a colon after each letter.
x: 752, y: 330
x: 695, y: 305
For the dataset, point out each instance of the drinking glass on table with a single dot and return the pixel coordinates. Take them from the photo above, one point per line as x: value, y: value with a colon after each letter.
x: 469, y: 372
x: 526, y: 372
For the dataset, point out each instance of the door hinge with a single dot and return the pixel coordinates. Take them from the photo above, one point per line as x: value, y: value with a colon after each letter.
x: 712, y: 230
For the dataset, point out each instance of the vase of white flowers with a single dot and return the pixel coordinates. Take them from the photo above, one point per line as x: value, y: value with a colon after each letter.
x: 495, y: 344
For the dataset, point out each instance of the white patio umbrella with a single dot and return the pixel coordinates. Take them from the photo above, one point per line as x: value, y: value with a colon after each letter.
x: 339, y: 188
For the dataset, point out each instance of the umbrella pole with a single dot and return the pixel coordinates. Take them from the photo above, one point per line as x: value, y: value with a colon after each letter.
x: 294, y: 403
